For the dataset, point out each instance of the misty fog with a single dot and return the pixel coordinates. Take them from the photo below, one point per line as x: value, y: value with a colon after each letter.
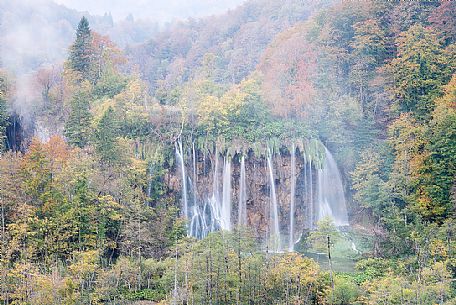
x: 156, y: 10
x: 37, y: 33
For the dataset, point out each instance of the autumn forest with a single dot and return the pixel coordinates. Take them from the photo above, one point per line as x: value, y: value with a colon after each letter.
x: 279, y: 152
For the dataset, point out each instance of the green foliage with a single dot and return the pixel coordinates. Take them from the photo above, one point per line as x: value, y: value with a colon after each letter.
x: 369, y: 51
x: 241, y: 114
x: 144, y: 294
x: 109, y: 85
x: 372, y: 268
x: 105, y: 139
x: 59, y: 218
x: 81, y: 52
x: 439, y: 168
x: 419, y: 71
x: 370, y: 180
x: 319, y: 238
x: 145, y: 238
x: 227, y: 267
x: 101, y: 224
x: 78, y: 127
x: 346, y: 291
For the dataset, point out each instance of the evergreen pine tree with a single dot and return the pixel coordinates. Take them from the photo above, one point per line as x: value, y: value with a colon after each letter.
x: 81, y: 52
x: 78, y: 125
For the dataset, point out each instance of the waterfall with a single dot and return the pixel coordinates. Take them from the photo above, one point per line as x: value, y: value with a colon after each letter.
x: 354, y: 248
x: 331, y: 198
x: 305, y: 186
x: 322, y: 193
x: 215, y: 204
x: 291, y: 240
x: 197, y: 218
x: 311, y: 203
x: 274, y: 212
x: 195, y: 224
x: 226, y: 196
x: 180, y: 160
x: 324, y: 210
x: 195, y: 177
x: 242, y: 212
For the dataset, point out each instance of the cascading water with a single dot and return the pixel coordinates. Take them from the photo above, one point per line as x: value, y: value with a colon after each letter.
x: 211, y: 214
x: 180, y: 159
x: 215, y: 180
x: 311, y: 200
x: 214, y: 202
x: 195, y: 177
x: 197, y: 221
x: 305, y: 186
x: 291, y: 238
x: 274, y: 228
x: 331, y: 198
x: 242, y: 208
x: 226, y: 197
x: 195, y: 228
x: 320, y: 191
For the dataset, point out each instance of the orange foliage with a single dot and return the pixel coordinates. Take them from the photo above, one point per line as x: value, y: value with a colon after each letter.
x: 55, y: 152
x: 288, y: 67
x: 57, y: 149
x: 106, y: 52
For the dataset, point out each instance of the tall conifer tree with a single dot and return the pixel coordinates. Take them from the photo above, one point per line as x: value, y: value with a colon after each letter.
x: 81, y: 52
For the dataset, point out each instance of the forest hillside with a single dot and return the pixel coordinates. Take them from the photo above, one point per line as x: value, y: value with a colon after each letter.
x: 292, y: 152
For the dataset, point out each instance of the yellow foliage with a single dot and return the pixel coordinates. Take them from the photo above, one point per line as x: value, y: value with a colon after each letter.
x: 216, y: 111
x: 20, y: 278
x: 86, y: 264
x: 53, y: 289
x: 438, y: 248
x: 129, y: 104
x: 446, y: 105
x: 387, y: 290
x: 135, y: 90
x: 295, y: 267
x: 99, y: 109
x: 72, y: 83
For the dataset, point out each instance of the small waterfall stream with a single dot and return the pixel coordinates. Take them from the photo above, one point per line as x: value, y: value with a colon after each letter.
x: 226, y: 196
x: 242, y: 208
x: 195, y: 228
x: 274, y: 228
x: 306, y: 190
x: 311, y: 201
x: 215, y: 201
x: 180, y: 159
x: 331, y: 198
x: 195, y: 177
x: 291, y: 238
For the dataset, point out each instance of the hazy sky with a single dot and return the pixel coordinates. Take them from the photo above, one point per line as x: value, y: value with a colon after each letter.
x: 157, y: 10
